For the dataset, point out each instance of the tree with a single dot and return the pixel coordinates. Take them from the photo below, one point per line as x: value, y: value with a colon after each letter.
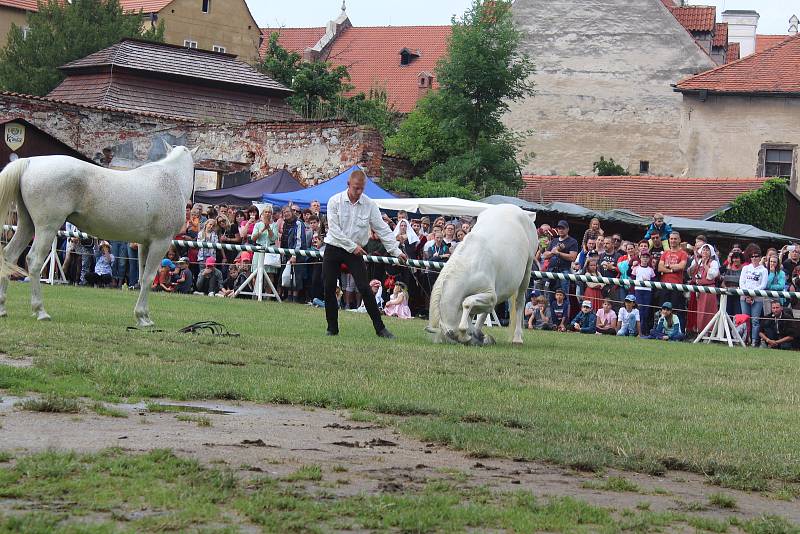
x: 763, y: 208
x: 60, y: 32
x: 457, y: 132
x: 608, y: 168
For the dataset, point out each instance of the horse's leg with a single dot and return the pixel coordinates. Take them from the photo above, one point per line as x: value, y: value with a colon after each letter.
x: 150, y: 256
x: 483, y: 301
x: 478, y: 337
x: 519, y: 306
x: 39, y: 251
x: 14, y: 249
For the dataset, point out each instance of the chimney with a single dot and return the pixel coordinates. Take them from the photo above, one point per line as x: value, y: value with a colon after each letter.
x: 742, y: 28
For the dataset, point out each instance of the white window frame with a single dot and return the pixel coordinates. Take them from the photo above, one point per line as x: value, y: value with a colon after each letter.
x: 188, y: 43
x: 207, y: 5
x: 219, y: 48
x: 25, y: 32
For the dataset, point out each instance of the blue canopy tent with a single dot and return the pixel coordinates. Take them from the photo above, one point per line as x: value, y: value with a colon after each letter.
x: 246, y: 194
x: 324, y: 191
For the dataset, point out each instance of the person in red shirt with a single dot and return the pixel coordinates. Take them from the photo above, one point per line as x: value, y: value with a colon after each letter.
x: 672, y: 266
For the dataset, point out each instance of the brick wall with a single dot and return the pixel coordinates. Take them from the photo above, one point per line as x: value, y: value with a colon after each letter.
x: 311, y: 150
x: 394, y: 167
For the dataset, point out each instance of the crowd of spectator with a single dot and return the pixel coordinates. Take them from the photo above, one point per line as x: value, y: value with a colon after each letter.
x: 587, y: 307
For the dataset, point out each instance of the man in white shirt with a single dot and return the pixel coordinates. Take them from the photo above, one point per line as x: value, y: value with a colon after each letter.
x: 351, y: 215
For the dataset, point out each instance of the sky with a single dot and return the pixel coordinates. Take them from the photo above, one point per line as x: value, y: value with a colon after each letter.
x: 276, y: 13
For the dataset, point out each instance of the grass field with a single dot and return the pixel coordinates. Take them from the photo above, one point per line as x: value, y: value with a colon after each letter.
x: 583, y: 401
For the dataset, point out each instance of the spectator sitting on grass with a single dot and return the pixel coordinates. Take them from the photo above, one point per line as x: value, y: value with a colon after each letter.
x: 668, y: 327
x: 628, y: 321
x: 229, y: 284
x: 529, y: 307
x: 585, y: 320
x: 209, y: 281
x: 102, y: 275
x: 541, y: 318
x: 163, y: 279
x: 606, y: 319
x: 377, y: 293
x: 184, y: 281
x: 778, y: 329
x: 398, y: 303
x: 559, y: 310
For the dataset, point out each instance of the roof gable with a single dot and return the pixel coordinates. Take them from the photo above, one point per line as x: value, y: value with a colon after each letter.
x: 695, y: 18
x: 694, y: 198
x: 177, y: 62
x: 772, y: 71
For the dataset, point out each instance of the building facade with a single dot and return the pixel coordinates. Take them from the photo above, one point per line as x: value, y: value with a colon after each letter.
x: 14, y: 12
x: 216, y: 25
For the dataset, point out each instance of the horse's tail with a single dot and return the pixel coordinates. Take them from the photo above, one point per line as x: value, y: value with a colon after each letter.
x: 10, y: 179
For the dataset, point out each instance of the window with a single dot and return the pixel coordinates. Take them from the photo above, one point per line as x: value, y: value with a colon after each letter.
x: 25, y: 32
x: 778, y: 162
x: 218, y: 48
x: 206, y: 6
x: 644, y: 167
x: 190, y: 44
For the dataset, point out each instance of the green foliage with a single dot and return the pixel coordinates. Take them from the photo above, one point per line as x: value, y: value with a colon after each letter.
x: 608, y: 167
x: 457, y: 132
x: 763, y: 208
x: 373, y: 109
x: 423, y: 188
x: 61, y: 32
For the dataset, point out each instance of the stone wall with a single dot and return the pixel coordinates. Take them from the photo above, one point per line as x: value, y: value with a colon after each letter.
x: 313, y: 151
x: 726, y: 135
x: 395, y: 167
x: 604, y: 75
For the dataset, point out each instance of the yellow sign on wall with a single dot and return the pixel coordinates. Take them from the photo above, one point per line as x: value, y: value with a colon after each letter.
x: 14, y: 135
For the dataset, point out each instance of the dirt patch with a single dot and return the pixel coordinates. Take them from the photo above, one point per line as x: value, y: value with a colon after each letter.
x: 21, y: 363
x: 276, y: 440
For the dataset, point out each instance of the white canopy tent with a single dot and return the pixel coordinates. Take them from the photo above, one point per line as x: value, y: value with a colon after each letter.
x: 433, y: 206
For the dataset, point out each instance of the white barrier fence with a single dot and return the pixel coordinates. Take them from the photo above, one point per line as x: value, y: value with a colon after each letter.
x: 720, y: 328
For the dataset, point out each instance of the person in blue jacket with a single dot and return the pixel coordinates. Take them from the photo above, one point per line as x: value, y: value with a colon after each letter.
x: 585, y: 321
x: 668, y: 327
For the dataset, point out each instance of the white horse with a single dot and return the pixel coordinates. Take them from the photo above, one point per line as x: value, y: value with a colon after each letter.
x: 144, y: 205
x: 492, y: 264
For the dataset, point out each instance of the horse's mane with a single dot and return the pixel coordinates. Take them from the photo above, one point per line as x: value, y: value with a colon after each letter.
x: 168, y: 158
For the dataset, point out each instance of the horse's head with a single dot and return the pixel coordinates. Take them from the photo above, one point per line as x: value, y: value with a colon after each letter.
x: 180, y: 150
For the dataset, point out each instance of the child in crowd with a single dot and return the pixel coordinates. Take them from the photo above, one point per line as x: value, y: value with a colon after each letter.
x: 163, y: 280
x: 377, y: 293
x: 184, y: 280
x: 559, y: 311
x: 668, y: 327
x: 102, y: 274
x: 606, y: 319
x: 541, y: 317
x: 229, y: 284
x: 398, y: 304
x: 594, y: 290
x: 659, y: 227
x: 644, y: 295
x: 628, y: 320
x: 529, y: 307
x: 585, y: 320
x: 210, y: 279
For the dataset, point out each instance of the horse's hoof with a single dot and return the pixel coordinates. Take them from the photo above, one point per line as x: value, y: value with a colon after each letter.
x: 146, y: 323
x: 518, y: 343
x: 488, y: 340
x: 3, y: 313
x: 42, y: 316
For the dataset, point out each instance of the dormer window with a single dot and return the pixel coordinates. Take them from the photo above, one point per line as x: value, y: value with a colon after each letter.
x: 407, y: 56
x: 424, y: 80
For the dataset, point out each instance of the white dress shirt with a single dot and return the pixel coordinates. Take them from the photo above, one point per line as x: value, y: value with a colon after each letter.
x: 349, y: 224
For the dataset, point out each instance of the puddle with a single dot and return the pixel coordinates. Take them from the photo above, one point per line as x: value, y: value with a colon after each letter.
x: 185, y: 408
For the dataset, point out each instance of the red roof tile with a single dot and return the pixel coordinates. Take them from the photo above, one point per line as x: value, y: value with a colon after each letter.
x: 768, y: 41
x: 720, y: 35
x: 372, y: 56
x: 734, y: 52
x: 147, y: 6
x: 694, y: 198
x: 769, y: 72
x: 292, y: 39
x: 27, y: 5
x: 695, y: 18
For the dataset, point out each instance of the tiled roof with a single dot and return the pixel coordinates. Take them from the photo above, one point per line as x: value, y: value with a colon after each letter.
x: 768, y: 41
x: 292, y: 39
x: 720, y: 35
x: 177, y: 62
x: 135, y: 93
x: 147, y: 6
x: 27, y: 5
x: 734, y: 52
x: 695, y: 18
x: 694, y: 198
x: 769, y: 72
x: 372, y: 56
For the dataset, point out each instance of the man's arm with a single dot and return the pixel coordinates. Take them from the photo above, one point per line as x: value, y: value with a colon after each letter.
x: 335, y: 230
x: 383, y: 231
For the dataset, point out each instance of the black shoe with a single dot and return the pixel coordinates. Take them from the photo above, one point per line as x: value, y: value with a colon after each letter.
x: 386, y: 334
x: 331, y: 332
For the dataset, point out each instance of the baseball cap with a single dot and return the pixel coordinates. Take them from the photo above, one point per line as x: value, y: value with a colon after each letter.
x: 210, y: 262
x: 166, y: 262
x: 563, y: 224
x: 667, y: 305
x: 183, y: 259
x: 587, y: 303
x: 631, y: 298
x: 559, y: 290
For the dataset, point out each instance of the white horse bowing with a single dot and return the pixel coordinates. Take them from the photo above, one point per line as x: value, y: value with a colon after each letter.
x: 492, y: 264
x: 144, y: 205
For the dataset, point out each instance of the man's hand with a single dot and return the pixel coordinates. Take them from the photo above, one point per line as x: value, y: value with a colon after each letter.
x: 771, y: 343
x: 359, y: 251
x: 402, y: 257
x: 547, y: 254
x: 293, y: 260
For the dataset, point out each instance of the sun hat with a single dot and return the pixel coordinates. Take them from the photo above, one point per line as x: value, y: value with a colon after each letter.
x: 631, y: 298
x: 587, y: 303
x: 166, y: 262
x: 666, y: 306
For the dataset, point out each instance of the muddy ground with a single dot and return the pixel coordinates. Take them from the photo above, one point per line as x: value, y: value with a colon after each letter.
x: 276, y: 440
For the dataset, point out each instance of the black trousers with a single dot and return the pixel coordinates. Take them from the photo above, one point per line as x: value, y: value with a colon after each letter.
x: 331, y: 268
